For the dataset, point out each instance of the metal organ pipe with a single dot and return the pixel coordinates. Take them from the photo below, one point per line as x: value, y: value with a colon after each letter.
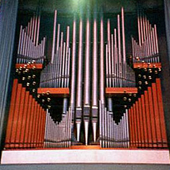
x: 58, y: 38
x: 102, y: 67
x: 109, y: 53
x: 86, y: 111
x: 116, y: 57
x: 113, y: 60
x: 35, y: 30
x: 87, y: 67
x: 67, y: 70
x: 54, y: 36
x: 95, y: 80
x: 65, y: 67
x: 79, y: 80
x: 109, y: 62
x: 38, y: 31
x: 123, y: 44
x: 60, y: 59
x: 58, y: 55
x: 119, y: 50
x: 73, y: 69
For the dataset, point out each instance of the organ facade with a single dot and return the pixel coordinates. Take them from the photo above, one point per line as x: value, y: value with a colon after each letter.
x: 79, y: 88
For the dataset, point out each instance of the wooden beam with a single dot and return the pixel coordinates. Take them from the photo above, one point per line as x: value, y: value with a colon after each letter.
x: 63, y: 92
x: 147, y: 65
x: 123, y: 90
x: 30, y: 66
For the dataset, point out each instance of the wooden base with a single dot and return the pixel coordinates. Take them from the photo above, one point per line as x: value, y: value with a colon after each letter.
x: 97, y: 156
x: 60, y: 92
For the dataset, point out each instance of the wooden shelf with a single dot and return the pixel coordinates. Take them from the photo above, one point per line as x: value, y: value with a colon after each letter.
x: 37, y: 66
x: 120, y: 90
x: 60, y: 92
x: 146, y: 65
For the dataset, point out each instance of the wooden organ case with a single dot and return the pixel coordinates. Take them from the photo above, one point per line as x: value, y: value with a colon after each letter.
x: 86, y: 95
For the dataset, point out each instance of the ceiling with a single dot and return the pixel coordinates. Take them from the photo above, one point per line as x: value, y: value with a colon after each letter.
x: 69, y: 6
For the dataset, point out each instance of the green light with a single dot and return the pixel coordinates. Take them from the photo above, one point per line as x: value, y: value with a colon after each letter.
x: 78, y: 5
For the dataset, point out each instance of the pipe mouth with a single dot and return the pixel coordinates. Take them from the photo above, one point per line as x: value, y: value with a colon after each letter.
x: 78, y: 124
x: 86, y: 124
x: 94, y: 124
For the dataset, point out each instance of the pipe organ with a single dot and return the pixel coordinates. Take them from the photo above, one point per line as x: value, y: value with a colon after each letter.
x: 88, y: 93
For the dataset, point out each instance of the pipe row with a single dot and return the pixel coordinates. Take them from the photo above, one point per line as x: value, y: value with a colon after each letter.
x: 57, y: 73
x: 113, y: 135
x: 29, y: 47
x: 146, y: 119
x: 58, y: 135
x: 118, y: 73
x: 26, y: 122
x: 146, y: 49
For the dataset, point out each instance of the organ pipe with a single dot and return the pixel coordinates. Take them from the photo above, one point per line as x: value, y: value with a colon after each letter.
x: 95, y: 80
x: 102, y: 68
x: 73, y: 67
x: 54, y: 36
x: 79, y: 80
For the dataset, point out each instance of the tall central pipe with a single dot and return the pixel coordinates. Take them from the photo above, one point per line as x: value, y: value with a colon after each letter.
x: 102, y: 82
x: 95, y: 79
x: 79, y: 80
x: 87, y: 67
x: 86, y: 111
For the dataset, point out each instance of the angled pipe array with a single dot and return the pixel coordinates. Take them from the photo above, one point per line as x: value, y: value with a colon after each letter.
x: 118, y: 73
x: 58, y: 135
x: 146, y: 49
x: 113, y: 135
x: 29, y: 48
x: 57, y: 73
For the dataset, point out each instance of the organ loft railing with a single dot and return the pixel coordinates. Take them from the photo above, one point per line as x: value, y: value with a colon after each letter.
x: 87, y: 93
